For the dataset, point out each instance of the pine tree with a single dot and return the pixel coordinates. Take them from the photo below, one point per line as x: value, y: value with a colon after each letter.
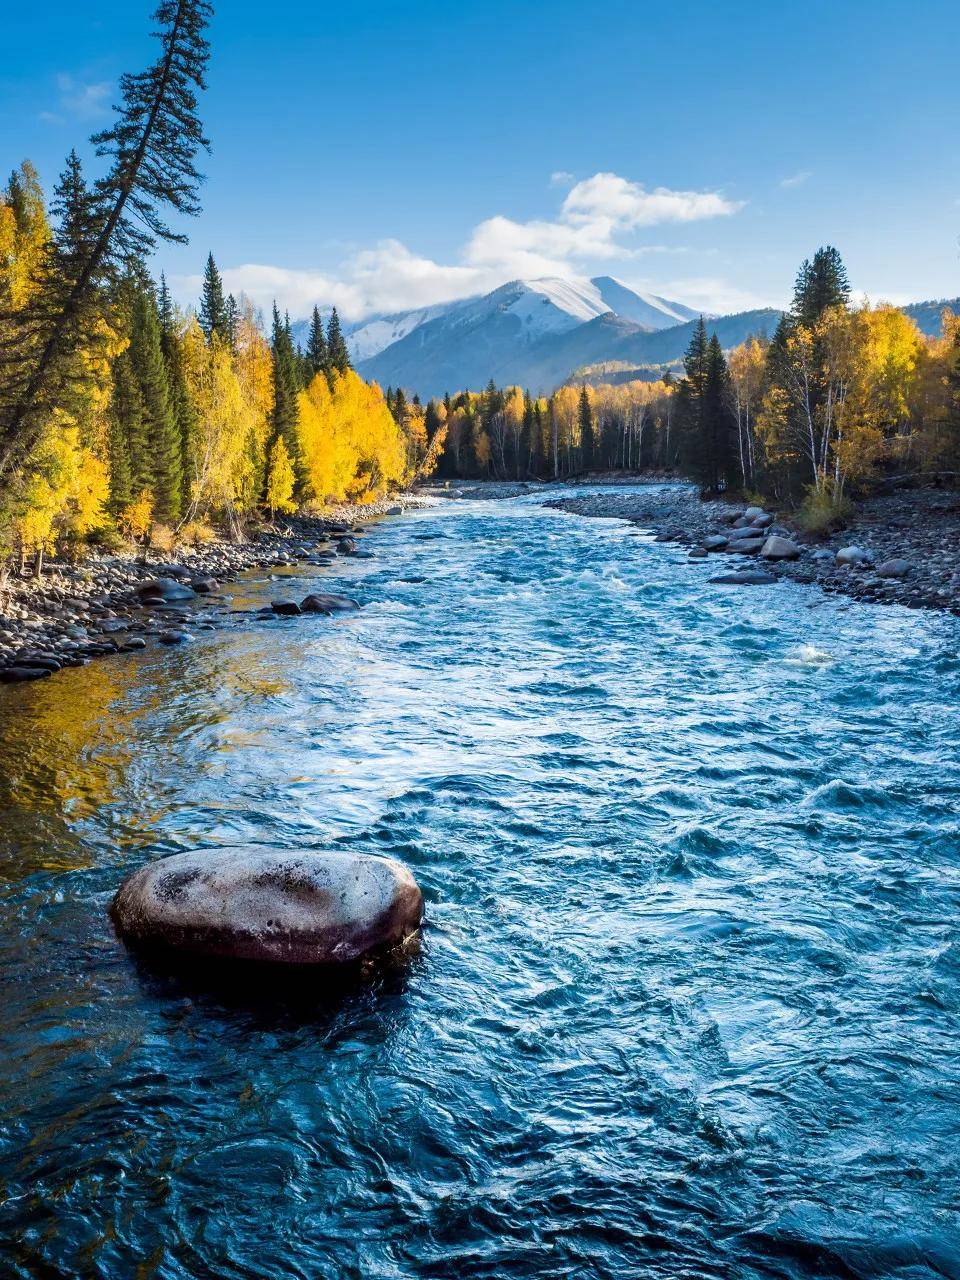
x: 233, y: 322
x: 585, y: 422
x: 162, y: 469
x: 127, y: 434
x: 79, y: 216
x: 820, y: 284
x: 337, y: 353
x: 317, y: 354
x: 718, y: 461
x: 181, y: 402
x: 213, y: 316
x: 285, y: 418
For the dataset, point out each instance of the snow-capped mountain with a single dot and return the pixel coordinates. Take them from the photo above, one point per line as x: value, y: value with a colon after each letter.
x: 465, y: 343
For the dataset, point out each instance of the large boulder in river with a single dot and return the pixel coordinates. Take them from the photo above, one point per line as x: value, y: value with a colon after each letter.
x: 270, y: 905
x: 321, y: 602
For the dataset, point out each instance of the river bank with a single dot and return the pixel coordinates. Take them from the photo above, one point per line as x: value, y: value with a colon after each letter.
x: 110, y: 604
x: 909, y: 539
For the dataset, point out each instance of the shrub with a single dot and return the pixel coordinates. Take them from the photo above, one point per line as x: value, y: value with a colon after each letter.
x: 823, y: 511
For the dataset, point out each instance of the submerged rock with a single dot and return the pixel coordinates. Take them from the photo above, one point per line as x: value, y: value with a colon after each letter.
x: 17, y: 675
x: 320, y: 602
x: 744, y: 578
x: 270, y: 905
x: 286, y: 608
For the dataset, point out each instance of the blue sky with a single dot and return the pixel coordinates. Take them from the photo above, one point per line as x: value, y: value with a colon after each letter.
x: 384, y: 155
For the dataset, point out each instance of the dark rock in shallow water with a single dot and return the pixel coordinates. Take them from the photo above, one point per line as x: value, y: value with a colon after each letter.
x: 17, y: 675
x: 318, y: 602
x: 285, y: 608
x: 744, y: 578
x: 174, y: 637
x: 270, y: 905
x: 347, y: 547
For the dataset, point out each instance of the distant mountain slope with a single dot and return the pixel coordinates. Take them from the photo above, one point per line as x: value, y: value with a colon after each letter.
x: 434, y: 358
x: 928, y: 315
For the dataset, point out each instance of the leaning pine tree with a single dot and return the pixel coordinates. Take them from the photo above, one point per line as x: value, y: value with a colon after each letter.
x: 153, y: 146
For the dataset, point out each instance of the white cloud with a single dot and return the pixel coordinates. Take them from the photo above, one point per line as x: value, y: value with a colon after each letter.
x: 561, y: 178
x: 596, y: 223
x: 708, y: 293
x: 79, y: 99
x: 795, y: 180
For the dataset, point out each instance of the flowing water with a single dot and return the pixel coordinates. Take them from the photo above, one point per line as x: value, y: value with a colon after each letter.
x: 688, y: 998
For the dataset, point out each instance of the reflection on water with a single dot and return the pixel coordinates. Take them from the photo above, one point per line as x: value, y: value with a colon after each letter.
x: 687, y: 1002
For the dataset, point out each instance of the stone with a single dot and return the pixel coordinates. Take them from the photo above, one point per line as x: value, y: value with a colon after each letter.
x: 205, y: 586
x: 174, y: 637
x: 895, y: 568
x: 698, y: 553
x: 16, y: 675
x: 135, y: 642
x: 753, y: 513
x: 744, y: 578
x: 777, y: 548
x: 747, y: 546
x: 715, y: 542
x: 285, y: 608
x: 164, y: 590
x: 853, y: 556
x: 319, y: 602
x: 762, y: 521
x: 278, y: 906
x: 743, y: 531
x: 347, y: 547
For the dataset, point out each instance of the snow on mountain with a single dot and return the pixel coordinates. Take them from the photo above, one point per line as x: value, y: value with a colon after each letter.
x: 371, y: 336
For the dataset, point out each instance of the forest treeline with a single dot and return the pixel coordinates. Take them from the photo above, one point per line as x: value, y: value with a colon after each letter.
x: 838, y: 395
x: 174, y: 418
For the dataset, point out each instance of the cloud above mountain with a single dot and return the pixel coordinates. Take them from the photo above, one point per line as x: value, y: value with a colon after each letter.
x: 597, y: 221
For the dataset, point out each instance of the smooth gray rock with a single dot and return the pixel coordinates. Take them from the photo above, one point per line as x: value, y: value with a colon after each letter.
x: 286, y: 608
x: 854, y: 555
x: 744, y: 578
x: 762, y: 521
x: 895, y: 568
x: 715, y: 542
x: 347, y: 547
x: 164, y: 590
x: 747, y: 546
x: 319, y: 602
x: 270, y: 905
x: 777, y: 548
x: 753, y: 513
x: 174, y: 637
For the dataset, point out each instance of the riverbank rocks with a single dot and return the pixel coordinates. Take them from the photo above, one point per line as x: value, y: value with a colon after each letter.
x: 895, y: 568
x: 18, y: 675
x: 164, y: 591
x: 777, y: 548
x: 270, y: 905
x: 285, y: 608
x: 854, y: 556
x: 319, y: 602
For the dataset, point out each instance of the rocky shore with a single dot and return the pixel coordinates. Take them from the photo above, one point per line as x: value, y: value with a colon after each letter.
x: 116, y: 604
x: 898, y: 548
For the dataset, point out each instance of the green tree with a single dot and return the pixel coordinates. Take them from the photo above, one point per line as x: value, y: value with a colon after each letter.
x: 585, y: 422
x: 821, y: 283
x: 317, y: 354
x: 214, y: 316
x: 162, y: 469
x: 337, y: 353
x: 285, y: 418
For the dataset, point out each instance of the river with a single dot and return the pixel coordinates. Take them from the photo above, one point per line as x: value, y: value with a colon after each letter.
x: 688, y: 998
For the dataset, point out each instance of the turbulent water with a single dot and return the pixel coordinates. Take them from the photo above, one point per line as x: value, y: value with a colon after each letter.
x: 688, y: 998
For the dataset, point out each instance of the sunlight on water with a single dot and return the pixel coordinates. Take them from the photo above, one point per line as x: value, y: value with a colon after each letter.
x: 687, y: 1003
